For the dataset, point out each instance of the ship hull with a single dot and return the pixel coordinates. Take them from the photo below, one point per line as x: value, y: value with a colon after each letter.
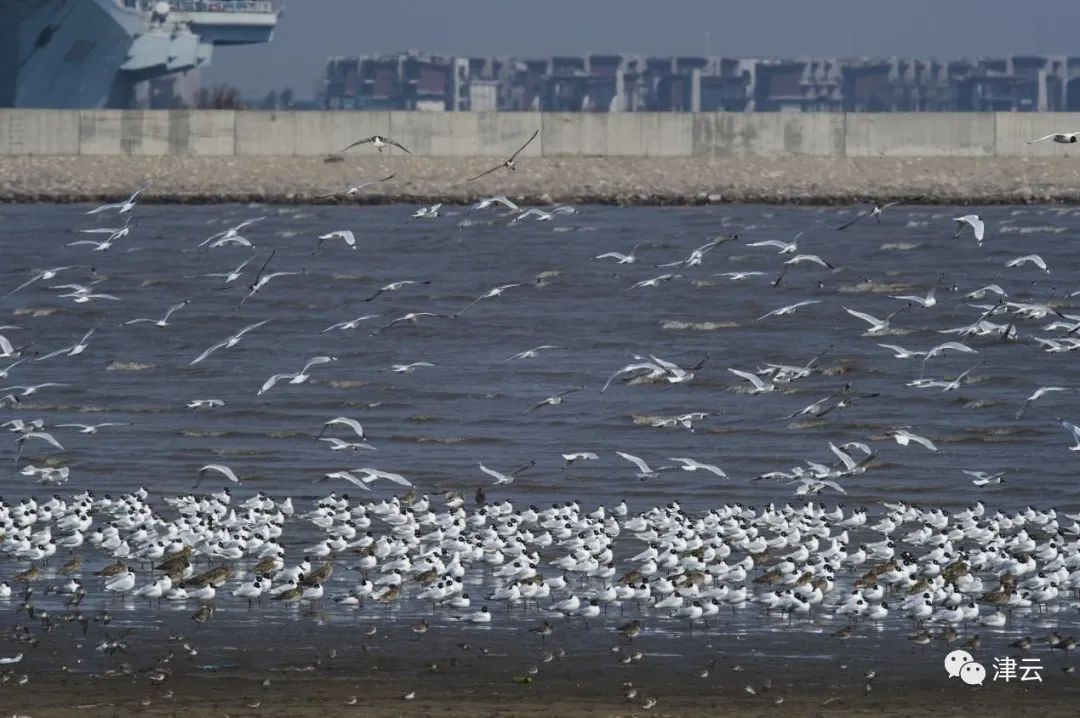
x: 91, y: 53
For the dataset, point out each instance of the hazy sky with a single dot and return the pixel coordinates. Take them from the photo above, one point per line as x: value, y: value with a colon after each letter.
x: 312, y: 30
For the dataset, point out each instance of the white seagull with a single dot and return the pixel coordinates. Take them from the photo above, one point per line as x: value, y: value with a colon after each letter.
x: 542, y: 216
x: 299, y: 377
x: 411, y: 317
x: 74, y: 350
x: 230, y: 342
x: 38, y: 275
x: 619, y: 258
x: 501, y: 478
x: 694, y: 465
x: 1072, y: 429
x: 1064, y: 138
x: 489, y: 294
x: 784, y: 247
x: 344, y: 421
x: 395, y: 286
x: 1032, y: 258
x: 905, y: 437
x: 877, y: 326
x: 760, y: 387
x: 1038, y: 394
x: 121, y: 207
x: 490, y: 201
x: 644, y: 470
x: 409, y: 368
x: 219, y: 468
x: 164, y: 321
x: 343, y: 234
x: 972, y: 220
x: 789, y: 309
x: 356, y: 189
x: 429, y: 212
x: 349, y: 324
x: 231, y: 234
x: 531, y: 353
x: 91, y: 428
x: 233, y: 275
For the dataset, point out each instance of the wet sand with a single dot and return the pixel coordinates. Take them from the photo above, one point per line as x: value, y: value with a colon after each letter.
x: 332, y: 692
x: 609, y: 180
x: 460, y: 670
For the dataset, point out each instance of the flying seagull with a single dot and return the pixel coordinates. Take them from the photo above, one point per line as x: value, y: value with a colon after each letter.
x: 343, y: 234
x: 644, y: 470
x: 876, y: 213
x: 621, y: 258
x: 378, y: 142
x: 121, y: 207
x: 508, y: 164
x: 553, y: 400
x: 344, y: 421
x: 231, y: 234
x: 1038, y: 394
x: 230, y: 342
x: 164, y: 321
x: 38, y: 275
x: 1072, y: 429
x: 501, y: 478
x: 355, y: 189
x: 1064, y: 138
x: 395, y: 286
x: 219, y: 468
x: 974, y: 221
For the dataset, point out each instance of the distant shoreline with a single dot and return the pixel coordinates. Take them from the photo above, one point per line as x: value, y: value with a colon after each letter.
x: 656, y: 181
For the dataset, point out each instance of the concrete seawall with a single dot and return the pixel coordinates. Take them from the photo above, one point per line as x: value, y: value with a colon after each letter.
x: 465, y: 134
x: 638, y: 157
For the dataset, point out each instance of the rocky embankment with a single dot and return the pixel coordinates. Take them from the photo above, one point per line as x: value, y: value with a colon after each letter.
x: 608, y: 180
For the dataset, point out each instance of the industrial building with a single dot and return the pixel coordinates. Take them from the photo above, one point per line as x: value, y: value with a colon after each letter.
x: 631, y: 83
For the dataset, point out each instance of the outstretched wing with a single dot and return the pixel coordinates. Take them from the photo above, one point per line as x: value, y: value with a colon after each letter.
x: 483, y: 174
x: 221, y: 469
x: 357, y: 144
x: 857, y: 219
x: 522, y: 148
x: 758, y: 384
x: 640, y: 463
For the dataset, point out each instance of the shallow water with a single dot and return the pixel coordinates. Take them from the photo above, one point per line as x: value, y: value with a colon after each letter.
x: 436, y: 424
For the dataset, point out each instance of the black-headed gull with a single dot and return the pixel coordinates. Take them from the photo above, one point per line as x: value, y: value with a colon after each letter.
x: 509, y: 163
x: 1064, y: 138
x: 378, y: 142
x: 972, y: 220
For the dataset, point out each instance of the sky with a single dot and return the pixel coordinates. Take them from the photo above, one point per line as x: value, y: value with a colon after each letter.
x: 313, y: 30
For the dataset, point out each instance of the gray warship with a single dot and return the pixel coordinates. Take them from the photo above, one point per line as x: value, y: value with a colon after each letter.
x: 92, y: 53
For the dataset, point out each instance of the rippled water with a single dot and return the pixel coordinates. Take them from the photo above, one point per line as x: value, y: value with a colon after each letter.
x: 436, y: 424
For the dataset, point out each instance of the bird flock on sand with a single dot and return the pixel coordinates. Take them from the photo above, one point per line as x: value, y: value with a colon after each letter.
x: 366, y: 538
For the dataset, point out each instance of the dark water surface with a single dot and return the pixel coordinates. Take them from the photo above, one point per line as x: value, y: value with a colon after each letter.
x: 434, y: 425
